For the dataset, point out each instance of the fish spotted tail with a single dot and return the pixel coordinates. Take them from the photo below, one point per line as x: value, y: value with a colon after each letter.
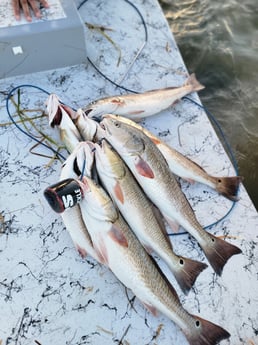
x: 206, y: 333
x: 228, y: 186
x: 195, y: 84
x: 218, y: 253
x: 188, y: 273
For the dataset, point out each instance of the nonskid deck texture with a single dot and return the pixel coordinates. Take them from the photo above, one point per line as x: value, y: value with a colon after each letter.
x: 48, y: 294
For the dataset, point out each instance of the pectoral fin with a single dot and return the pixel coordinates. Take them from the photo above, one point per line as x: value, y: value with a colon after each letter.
x: 136, y: 112
x: 143, y: 168
x: 155, y: 140
x: 81, y: 251
x: 117, y: 101
x: 119, y: 193
x: 151, y: 309
x: 173, y: 224
x: 116, y: 234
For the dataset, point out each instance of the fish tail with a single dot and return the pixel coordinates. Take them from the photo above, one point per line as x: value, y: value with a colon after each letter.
x: 205, y: 332
x: 218, y: 252
x: 194, y: 83
x: 188, y: 272
x: 228, y: 186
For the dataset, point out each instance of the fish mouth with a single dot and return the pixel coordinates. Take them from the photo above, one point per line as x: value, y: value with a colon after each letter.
x: 57, y: 118
x: 87, y: 111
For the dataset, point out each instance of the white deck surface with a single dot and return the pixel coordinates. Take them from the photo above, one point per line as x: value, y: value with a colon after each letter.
x: 48, y: 294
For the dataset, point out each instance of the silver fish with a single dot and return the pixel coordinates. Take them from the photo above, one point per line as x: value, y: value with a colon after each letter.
x: 120, y: 250
x: 138, y: 212
x: 142, y: 105
x: 153, y: 174
x: 188, y: 169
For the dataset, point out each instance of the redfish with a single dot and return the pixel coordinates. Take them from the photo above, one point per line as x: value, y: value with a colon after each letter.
x: 72, y: 217
x: 138, y: 106
x: 151, y: 171
x: 60, y: 116
x: 119, y: 249
x: 139, y: 213
x: 187, y: 169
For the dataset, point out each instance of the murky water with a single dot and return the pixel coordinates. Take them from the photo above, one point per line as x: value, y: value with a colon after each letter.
x: 219, y: 42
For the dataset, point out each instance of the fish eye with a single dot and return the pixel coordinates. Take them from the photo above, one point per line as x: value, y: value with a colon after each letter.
x: 197, y: 323
x: 117, y: 124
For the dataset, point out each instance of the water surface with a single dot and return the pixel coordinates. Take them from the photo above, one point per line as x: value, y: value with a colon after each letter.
x: 219, y: 42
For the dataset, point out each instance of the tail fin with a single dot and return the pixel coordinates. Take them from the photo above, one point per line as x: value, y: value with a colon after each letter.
x: 196, y: 86
x: 206, y: 333
x: 218, y: 253
x: 228, y: 186
x: 187, y: 273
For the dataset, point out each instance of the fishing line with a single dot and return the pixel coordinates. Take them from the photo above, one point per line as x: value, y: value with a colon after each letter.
x: 209, y: 114
x: 10, y: 94
x: 110, y: 80
x: 136, y: 55
x: 222, y: 134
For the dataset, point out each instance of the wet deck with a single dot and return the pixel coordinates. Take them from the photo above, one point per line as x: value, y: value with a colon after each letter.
x: 48, y: 294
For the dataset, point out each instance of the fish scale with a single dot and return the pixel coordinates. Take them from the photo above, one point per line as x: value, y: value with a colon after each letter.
x: 144, y: 104
x: 139, y: 213
x: 153, y: 174
x: 128, y: 260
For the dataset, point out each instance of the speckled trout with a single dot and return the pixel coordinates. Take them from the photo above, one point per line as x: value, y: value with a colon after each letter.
x: 188, y: 169
x: 139, y: 213
x: 153, y: 174
x: 120, y: 250
x: 142, y: 105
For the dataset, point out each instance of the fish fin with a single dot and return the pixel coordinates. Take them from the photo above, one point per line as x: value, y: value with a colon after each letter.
x: 155, y: 140
x: 143, y: 168
x: 172, y: 224
x: 116, y: 234
x: 194, y: 83
x: 117, y: 101
x: 101, y: 253
x: 81, y: 251
x: 148, y: 249
x: 191, y: 181
x: 187, y: 272
x: 151, y: 309
x: 136, y: 112
x: 228, y: 186
x: 161, y: 221
x: 205, y: 332
x: 68, y: 110
x: 119, y: 193
x: 218, y: 252
x: 175, y: 102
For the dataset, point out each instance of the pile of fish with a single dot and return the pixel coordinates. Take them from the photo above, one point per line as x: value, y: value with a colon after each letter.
x: 117, y: 191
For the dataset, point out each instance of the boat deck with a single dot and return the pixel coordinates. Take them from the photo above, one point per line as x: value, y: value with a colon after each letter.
x: 48, y: 293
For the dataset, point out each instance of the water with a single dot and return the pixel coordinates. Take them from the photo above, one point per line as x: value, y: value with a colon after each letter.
x: 219, y: 42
